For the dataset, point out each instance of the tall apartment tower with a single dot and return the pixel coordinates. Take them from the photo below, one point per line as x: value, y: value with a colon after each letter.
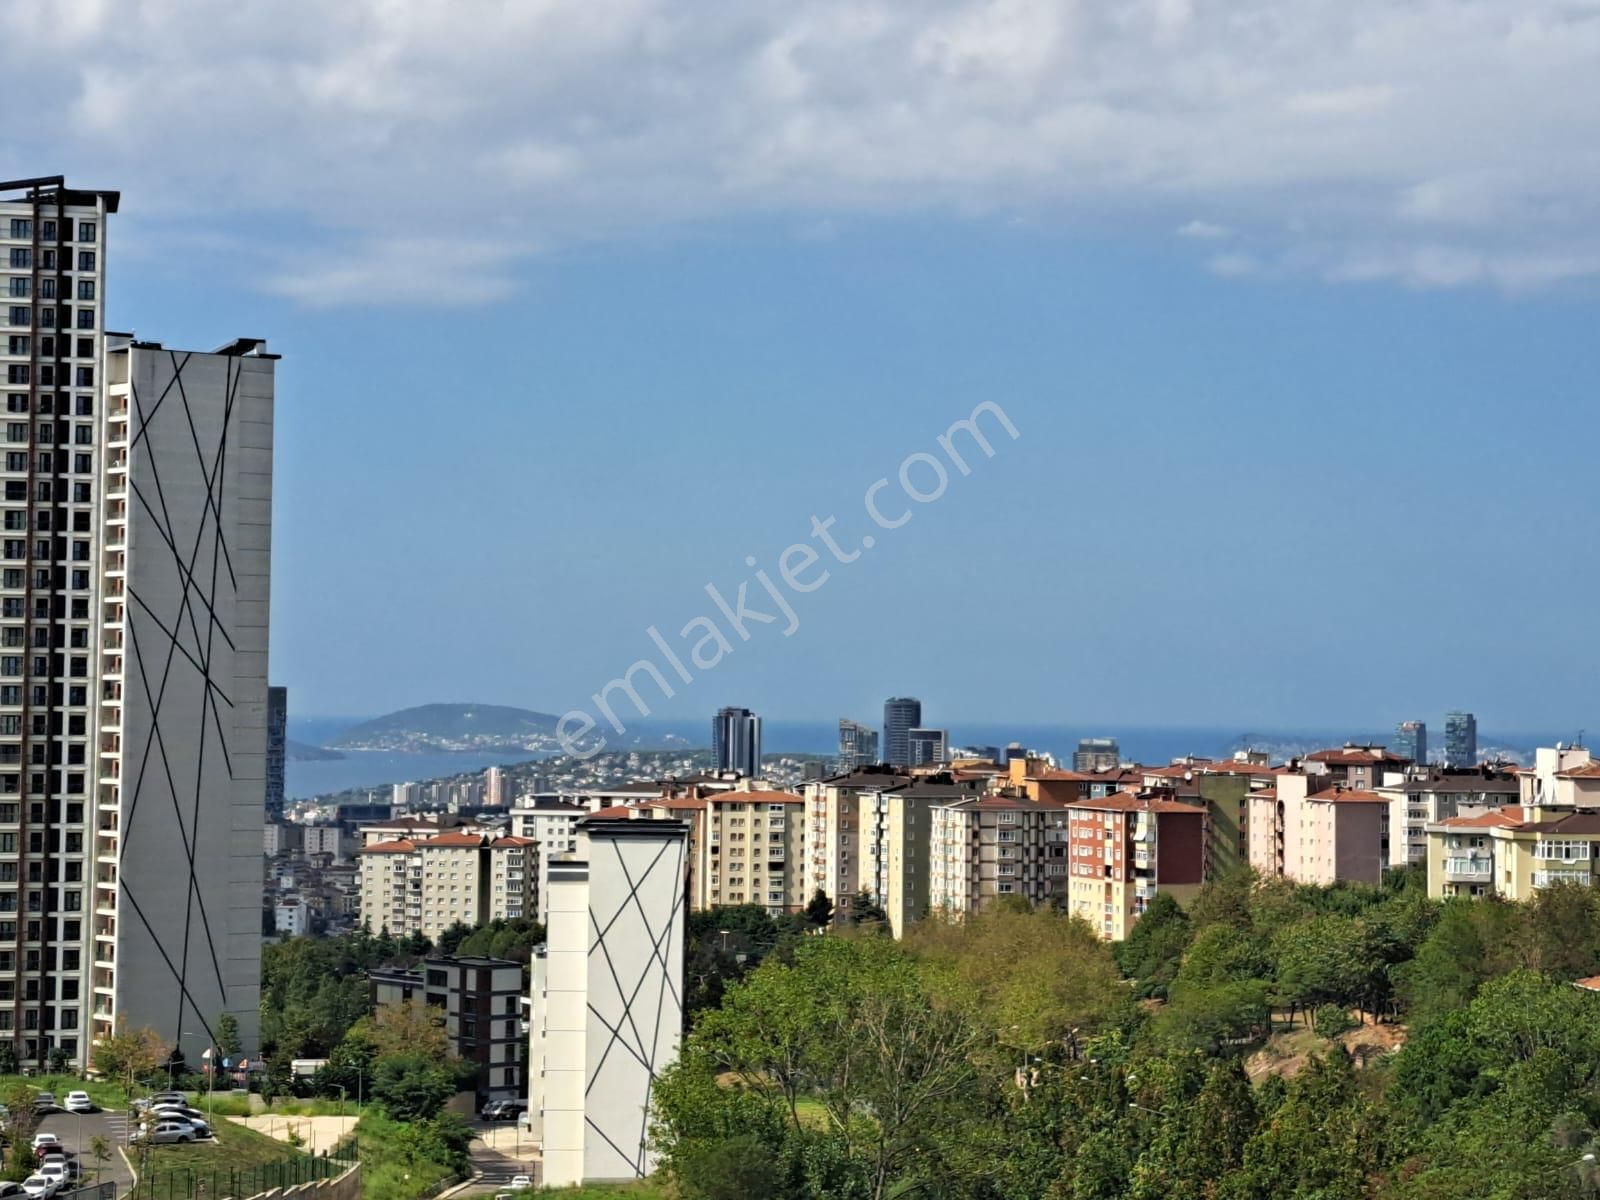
x: 858, y: 745
x: 736, y: 741
x: 1097, y: 754
x: 277, y: 750
x: 901, y: 714
x: 1460, y: 739
x: 133, y: 653
x: 1411, y: 740
x: 927, y: 747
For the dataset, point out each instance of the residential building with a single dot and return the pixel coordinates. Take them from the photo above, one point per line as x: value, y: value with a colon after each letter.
x: 1561, y: 777
x: 1460, y: 739
x: 553, y: 824
x: 406, y: 797
x: 1419, y: 797
x: 1123, y: 849
x: 1353, y: 766
x: 1411, y: 741
x: 418, y: 828
x: 426, y: 885
x: 605, y: 1009
x: 1514, y: 851
x: 858, y: 745
x: 754, y: 850
x: 1313, y: 829
x: 329, y: 840
x: 479, y: 1002
x: 832, y: 848
x: 282, y: 837
x: 928, y: 747
x: 736, y: 742
x: 122, y: 895
x: 895, y: 832
x: 292, y: 917
x: 277, y: 749
x: 989, y: 847
x: 497, y: 788
x: 1097, y: 754
x: 901, y: 714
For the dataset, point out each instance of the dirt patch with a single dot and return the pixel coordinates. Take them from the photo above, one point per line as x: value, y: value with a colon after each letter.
x: 1287, y: 1052
x: 316, y: 1133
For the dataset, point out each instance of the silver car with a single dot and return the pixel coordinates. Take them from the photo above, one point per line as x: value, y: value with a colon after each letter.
x: 164, y: 1133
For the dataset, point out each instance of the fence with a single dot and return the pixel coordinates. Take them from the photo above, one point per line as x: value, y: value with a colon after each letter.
x: 95, y: 1191
x: 223, y: 1183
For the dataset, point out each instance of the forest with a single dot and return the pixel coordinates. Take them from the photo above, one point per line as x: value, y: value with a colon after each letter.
x: 1271, y: 1042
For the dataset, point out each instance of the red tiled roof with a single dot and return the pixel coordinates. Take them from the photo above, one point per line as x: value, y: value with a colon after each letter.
x: 1128, y: 802
x: 1591, y: 984
x: 1347, y: 796
x: 757, y: 797
x: 1355, y: 756
x: 455, y: 840
x: 613, y: 813
x: 1495, y: 818
x: 1589, y: 770
x: 677, y: 802
x: 511, y: 841
x: 397, y: 847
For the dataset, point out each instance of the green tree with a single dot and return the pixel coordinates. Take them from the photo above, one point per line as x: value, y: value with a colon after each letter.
x: 100, y: 1150
x: 1153, y: 951
x: 128, y: 1055
x: 1200, y: 1141
x: 412, y: 1087
x: 227, y: 1034
x: 865, y: 910
x: 819, y: 910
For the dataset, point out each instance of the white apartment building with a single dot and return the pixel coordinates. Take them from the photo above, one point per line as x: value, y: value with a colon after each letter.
x: 554, y: 825
x: 753, y: 851
x: 134, y: 571
x: 427, y: 885
x: 1423, y: 796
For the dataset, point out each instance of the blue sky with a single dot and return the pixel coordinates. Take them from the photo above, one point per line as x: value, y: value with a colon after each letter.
x: 1305, y: 422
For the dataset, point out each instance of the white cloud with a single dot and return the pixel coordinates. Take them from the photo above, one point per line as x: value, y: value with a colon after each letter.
x: 1456, y: 136
x: 1204, y: 230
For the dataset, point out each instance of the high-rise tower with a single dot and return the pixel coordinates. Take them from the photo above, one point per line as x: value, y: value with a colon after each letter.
x: 736, y: 742
x: 901, y: 714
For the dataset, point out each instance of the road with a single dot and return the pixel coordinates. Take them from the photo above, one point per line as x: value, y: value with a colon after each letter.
x: 499, y: 1151
x: 76, y: 1130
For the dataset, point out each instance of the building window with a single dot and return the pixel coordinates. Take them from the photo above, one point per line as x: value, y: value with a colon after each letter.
x: 86, y: 260
x: 85, y: 289
x: 86, y: 231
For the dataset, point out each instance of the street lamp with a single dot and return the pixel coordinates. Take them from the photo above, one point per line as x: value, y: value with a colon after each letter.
x: 1156, y: 1112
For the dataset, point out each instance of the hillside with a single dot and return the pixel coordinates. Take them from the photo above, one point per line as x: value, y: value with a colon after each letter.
x: 430, y: 727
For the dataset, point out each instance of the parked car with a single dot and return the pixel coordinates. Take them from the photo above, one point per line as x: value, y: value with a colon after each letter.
x: 521, y: 1182
x: 44, y: 1100
x: 9, y: 1187
x: 40, y: 1187
x: 78, y: 1102
x: 41, y: 1140
x: 164, y: 1133
x: 186, y: 1115
x: 61, y: 1171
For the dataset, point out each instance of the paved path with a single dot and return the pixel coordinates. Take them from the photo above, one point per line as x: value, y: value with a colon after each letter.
x: 77, y: 1129
x: 499, y: 1151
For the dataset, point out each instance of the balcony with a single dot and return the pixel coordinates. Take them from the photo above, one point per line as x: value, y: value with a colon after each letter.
x: 1472, y: 868
x: 1544, y: 879
x: 1144, y: 889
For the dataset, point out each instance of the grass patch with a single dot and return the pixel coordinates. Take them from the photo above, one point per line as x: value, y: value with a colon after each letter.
x: 103, y: 1093
x: 238, y: 1162
x: 236, y: 1104
x: 388, y: 1170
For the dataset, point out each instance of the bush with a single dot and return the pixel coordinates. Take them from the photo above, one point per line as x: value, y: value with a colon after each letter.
x: 1330, y: 1020
x: 412, y: 1087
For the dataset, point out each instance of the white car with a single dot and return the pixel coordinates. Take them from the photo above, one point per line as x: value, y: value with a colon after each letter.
x: 41, y: 1140
x: 521, y: 1182
x: 78, y: 1102
x: 56, y: 1171
x: 40, y: 1187
x: 183, y: 1116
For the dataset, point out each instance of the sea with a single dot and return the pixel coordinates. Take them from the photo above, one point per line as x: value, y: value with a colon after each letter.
x: 1145, y: 744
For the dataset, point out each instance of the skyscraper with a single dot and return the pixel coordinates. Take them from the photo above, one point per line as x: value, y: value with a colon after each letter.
x: 277, y: 749
x: 858, y: 745
x: 901, y: 714
x: 133, y: 650
x: 1097, y: 754
x: 928, y: 746
x: 736, y: 741
x: 1460, y: 739
x: 1411, y: 740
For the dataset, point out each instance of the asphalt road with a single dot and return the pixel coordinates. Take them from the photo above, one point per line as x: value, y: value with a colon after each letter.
x: 76, y: 1130
x: 498, y: 1158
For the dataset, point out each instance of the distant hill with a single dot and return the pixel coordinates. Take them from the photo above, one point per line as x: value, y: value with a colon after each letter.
x: 302, y: 752
x: 432, y: 727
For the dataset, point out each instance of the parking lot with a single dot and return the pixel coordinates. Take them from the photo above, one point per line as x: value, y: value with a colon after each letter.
x: 77, y: 1130
x: 500, y: 1151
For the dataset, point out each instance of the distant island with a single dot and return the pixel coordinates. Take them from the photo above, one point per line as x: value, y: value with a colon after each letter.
x: 431, y: 728
x: 304, y: 752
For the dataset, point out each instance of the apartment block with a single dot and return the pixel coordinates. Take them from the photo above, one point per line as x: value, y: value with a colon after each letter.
x: 1561, y: 777
x: 753, y: 852
x: 1513, y: 852
x: 605, y: 1013
x: 427, y: 885
x: 1423, y: 796
x: 989, y: 847
x: 479, y: 1000
x: 832, y: 849
x: 553, y: 824
x: 1318, y: 836
x: 895, y: 841
x: 1123, y: 849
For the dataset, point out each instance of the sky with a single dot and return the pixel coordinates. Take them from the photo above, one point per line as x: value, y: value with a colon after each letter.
x: 583, y: 303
